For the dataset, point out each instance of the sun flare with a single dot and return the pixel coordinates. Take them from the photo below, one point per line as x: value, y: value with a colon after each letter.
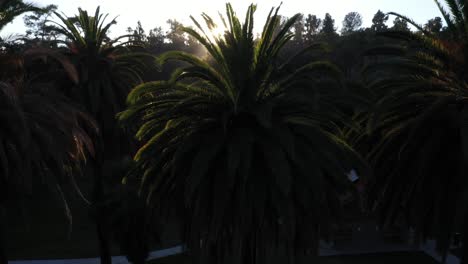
x: 217, y: 32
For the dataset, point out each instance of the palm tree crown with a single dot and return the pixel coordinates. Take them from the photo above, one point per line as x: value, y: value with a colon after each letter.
x: 106, y: 69
x: 244, y: 145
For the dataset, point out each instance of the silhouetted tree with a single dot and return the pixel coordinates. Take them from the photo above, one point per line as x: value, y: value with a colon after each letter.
x: 9, y: 10
x: 312, y: 27
x: 138, y: 35
x: 38, y: 27
x: 106, y: 72
x: 351, y: 23
x: 378, y: 22
x: 421, y: 161
x: 175, y: 34
x: 45, y: 137
x: 434, y: 25
x: 299, y: 30
x: 328, y: 26
x: 155, y: 38
x: 400, y: 24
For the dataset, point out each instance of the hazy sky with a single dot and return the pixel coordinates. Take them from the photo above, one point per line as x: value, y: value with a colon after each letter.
x: 153, y: 13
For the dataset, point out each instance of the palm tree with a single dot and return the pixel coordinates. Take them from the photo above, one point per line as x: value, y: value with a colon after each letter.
x: 421, y: 118
x: 33, y: 123
x: 9, y: 9
x: 44, y: 138
x: 106, y: 71
x: 245, y: 145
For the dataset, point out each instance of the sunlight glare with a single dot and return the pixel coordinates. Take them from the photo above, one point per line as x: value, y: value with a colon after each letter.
x: 218, y: 32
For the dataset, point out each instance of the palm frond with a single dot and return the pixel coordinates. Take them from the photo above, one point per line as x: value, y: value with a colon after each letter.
x: 10, y: 9
x: 447, y: 17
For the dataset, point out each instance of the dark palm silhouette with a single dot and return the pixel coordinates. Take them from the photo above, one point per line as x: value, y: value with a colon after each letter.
x: 45, y: 138
x: 106, y: 70
x: 421, y: 117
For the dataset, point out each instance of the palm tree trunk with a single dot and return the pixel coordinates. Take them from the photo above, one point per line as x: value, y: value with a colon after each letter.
x: 103, y: 240
x: 102, y: 234
x: 104, y: 248
x: 464, y: 256
x: 3, y: 254
x: 100, y: 217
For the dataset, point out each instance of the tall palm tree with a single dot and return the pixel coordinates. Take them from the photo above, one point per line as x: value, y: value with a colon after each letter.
x: 106, y: 71
x: 43, y: 137
x: 244, y: 145
x: 421, y: 118
x: 32, y: 122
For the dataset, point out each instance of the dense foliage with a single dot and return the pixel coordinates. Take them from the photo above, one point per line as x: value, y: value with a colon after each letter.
x: 421, y: 119
x: 44, y: 139
x: 244, y: 139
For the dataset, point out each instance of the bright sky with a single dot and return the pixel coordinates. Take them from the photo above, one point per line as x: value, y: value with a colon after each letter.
x: 153, y: 13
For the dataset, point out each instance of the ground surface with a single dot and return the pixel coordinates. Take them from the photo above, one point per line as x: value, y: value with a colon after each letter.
x: 41, y: 232
x: 381, y: 258
x: 37, y: 228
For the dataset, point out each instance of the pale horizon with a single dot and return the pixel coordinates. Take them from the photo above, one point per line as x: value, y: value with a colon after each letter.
x: 153, y: 14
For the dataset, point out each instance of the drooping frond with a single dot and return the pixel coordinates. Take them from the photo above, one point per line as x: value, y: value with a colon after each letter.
x: 46, y: 141
x: 456, y: 13
x: 411, y: 21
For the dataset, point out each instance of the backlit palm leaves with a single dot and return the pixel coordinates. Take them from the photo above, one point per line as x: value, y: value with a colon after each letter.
x: 244, y: 145
x: 422, y: 159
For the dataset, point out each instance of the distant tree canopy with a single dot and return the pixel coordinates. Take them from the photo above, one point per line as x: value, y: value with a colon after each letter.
x: 378, y: 22
x: 137, y: 34
x: 156, y: 37
x: 312, y: 27
x: 434, y: 25
x: 175, y: 34
x: 328, y: 25
x: 37, y: 24
x: 299, y: 29
x: 400, y: 25
x: 351, y: 23
x: 157, y: 40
